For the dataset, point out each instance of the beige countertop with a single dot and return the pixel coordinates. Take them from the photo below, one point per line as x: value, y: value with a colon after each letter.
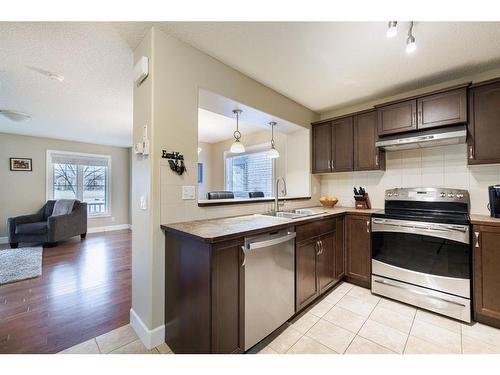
x: 214, y: 230
x: 484, y: 220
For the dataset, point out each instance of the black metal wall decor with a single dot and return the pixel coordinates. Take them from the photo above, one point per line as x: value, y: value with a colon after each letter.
x: 175, y: 160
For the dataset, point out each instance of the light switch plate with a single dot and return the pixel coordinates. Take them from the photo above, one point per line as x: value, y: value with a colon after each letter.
x: 188, y: 192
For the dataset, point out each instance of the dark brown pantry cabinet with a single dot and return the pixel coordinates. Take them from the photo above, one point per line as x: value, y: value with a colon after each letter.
x: 317, y: 257
x: 484, y: 123
x: 322, y: 148
x: 358, y: 250
x: 486, y: 270
x: 366, y: 156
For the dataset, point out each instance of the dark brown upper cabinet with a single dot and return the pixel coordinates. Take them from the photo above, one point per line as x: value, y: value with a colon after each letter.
x: 332, y: 146
x: 486, y: 269
x: 366, y: 156
x: 397, y: 118
x: 342, y: 145
x: 444, y: 108
x: 322, y: 147
x: 484, y: 123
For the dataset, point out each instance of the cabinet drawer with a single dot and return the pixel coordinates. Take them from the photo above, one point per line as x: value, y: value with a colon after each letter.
x: 314, y: 229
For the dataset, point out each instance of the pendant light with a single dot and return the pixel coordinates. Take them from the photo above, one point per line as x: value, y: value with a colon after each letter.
x: 273, y: 153
x: 411, y: 46
x: 237, y: 147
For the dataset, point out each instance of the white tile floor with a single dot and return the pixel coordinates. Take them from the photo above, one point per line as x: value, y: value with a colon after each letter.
x: 122, y: 340
x: 349, y: 320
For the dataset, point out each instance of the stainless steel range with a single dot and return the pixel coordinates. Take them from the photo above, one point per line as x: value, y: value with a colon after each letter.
x: 421, y: 251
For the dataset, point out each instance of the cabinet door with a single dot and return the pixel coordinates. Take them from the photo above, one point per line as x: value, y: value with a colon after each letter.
x: 342, y: 145
x: 366, y: 155
x: 358, y: 267
x: 326, y: 261
x: 227, y: 297
x: 321, y: 148
x: 445, y: 108
x: 397, y: 118
x: 486, y: 268
x: 306, y: 288
x: 340, y: 248
x: 484, y: 124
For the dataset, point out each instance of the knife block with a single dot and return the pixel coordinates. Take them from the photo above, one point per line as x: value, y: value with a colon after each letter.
x: 362, y: 201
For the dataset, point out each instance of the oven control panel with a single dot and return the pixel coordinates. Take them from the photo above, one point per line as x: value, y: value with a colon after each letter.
x: 427, y: 194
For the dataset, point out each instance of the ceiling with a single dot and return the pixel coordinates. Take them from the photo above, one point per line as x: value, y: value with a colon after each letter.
x: 93, y: 103
x: 322, y: 65
x: 328, y: 65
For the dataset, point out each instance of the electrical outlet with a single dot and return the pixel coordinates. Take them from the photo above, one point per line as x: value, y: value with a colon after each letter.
x: 188, y: 192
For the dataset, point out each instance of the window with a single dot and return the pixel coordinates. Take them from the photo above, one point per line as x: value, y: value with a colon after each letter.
x: 80, y: 176
x: 251, y: 171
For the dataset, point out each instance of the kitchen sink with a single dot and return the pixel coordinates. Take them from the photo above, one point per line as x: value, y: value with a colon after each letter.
x: 293, y: 214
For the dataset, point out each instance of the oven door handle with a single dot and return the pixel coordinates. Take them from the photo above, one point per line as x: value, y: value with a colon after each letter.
x: 385, y: 282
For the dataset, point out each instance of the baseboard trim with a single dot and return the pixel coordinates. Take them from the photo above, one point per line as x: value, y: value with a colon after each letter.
x: 4, y: 240
x: 149, y: 337
x: 109, y: 228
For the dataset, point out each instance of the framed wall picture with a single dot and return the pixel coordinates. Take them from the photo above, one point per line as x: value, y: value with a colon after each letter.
x: 21, y: 164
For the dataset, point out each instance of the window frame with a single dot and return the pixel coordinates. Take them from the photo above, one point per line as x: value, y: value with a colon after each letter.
x: 253, y: 149
x: 49, y: 188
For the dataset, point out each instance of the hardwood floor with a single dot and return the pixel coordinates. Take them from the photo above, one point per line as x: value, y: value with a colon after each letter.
x: 84, y: 291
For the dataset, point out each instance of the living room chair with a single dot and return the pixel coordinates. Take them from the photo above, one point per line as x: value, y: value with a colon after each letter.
x: 43, y: 227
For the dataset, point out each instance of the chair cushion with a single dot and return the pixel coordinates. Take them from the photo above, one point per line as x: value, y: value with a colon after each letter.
x: 39, y: 227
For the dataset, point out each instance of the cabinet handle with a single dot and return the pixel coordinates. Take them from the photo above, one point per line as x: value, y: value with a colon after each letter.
x: 376, y: 160
x: 477, y: 239
x: 317, y: 248
x: 471, y: 152
x: 329, y: 164
x: 320, y: 247
x: 367, y: 226
x: 244, y: 257
x: 332, y: 165
x: 419, y: 117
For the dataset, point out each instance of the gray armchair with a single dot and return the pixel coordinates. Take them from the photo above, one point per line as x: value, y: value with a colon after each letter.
x: 42, y: 227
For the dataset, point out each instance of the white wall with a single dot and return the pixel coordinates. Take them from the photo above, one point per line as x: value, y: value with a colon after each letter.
x: 444, y: 166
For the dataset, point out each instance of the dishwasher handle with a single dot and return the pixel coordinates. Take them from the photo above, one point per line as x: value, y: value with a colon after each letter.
x: 274, y: 241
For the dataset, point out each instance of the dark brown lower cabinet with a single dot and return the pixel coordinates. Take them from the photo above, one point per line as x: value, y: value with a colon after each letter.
x: 358, y: 250
x: 204, y: 302
x: 318, y: 253
x: 486, y: 269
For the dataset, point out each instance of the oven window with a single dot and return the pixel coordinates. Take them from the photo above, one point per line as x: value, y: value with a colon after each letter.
x: 425, y: 254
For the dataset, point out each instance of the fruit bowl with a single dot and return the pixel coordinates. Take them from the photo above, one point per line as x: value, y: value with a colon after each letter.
x: 328, y: 202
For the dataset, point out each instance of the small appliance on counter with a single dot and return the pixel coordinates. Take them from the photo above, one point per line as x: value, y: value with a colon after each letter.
x: 494, y: 205
x: 362, y: 199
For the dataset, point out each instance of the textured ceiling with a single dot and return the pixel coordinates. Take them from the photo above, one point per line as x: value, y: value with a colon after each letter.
x: 93, y: 103
x: 327, y: 65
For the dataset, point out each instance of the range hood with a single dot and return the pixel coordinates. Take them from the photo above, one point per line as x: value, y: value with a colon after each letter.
x: 451, y: 135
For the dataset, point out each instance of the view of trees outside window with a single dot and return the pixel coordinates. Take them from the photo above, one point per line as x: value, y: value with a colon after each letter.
x: 83, y: 182
x: 249, y: 172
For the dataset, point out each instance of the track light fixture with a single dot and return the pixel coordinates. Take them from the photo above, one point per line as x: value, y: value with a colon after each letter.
x: 392, y: 29
x: 411, y: 46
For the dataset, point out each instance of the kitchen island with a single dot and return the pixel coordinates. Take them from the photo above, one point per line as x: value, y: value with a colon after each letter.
x: 204, y: 277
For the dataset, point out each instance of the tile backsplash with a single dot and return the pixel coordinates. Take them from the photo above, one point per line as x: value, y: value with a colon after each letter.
x: 444, y: 166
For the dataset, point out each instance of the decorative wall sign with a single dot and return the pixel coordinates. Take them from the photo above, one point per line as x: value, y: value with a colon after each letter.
x: 21, y: 164
x: 175, y: 160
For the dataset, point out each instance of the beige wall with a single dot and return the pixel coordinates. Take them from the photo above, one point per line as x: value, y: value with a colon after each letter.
x: 206, y: 158
x: 25, y: 192
x: 177, y: 72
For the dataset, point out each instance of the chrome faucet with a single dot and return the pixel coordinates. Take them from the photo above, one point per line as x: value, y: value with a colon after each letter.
x: 276, y: 201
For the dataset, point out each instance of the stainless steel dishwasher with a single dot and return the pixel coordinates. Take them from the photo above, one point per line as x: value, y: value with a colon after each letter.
x: 269, y: 265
